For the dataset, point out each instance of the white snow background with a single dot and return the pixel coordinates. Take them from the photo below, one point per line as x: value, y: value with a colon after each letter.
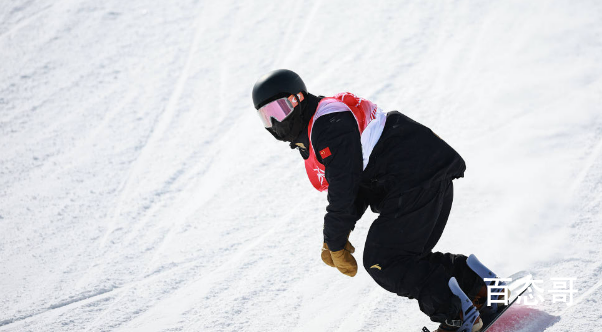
x: 140, y: 192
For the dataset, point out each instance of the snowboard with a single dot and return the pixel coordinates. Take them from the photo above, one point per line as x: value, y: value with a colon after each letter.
x: 519, y: 285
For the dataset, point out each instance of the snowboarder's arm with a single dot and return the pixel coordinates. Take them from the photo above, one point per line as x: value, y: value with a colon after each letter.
x: 337, y: 135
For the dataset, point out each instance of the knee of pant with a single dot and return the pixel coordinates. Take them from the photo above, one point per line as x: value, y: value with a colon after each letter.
x: 366, y: 259
x: 381, y: 275
x: 374, y: 263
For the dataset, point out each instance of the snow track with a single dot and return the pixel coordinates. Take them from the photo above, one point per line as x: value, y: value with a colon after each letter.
x: 138, y: 191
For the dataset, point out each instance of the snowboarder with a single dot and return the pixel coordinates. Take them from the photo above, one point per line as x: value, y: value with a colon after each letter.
x: 400, y: 168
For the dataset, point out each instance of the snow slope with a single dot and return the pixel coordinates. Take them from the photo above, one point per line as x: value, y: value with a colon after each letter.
x: 139, y: 191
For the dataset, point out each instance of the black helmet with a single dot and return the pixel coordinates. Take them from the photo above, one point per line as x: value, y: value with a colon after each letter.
x: 276, y: 84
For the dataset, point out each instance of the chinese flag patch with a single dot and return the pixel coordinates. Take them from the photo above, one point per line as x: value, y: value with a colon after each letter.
x: 325, y: 153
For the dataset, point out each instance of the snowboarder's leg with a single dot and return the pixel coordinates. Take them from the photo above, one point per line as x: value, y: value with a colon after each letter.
x: 397, y: 253
x: 455, y: 265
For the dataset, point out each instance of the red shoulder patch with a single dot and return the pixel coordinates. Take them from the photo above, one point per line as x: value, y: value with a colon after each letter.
x: 325, y: 153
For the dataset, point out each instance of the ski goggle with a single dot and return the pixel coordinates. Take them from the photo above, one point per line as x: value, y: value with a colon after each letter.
x: 279, y: 109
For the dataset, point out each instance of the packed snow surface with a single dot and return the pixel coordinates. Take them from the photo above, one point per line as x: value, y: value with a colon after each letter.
x: 140, y: 192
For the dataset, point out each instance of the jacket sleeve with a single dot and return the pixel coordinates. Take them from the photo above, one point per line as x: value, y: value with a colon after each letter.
x: 337, y: 136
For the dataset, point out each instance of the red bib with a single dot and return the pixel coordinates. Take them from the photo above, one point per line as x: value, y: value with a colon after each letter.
x: 363, y: 111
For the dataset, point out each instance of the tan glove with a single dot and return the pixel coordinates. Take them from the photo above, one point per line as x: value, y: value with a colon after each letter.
x: 342, y: 259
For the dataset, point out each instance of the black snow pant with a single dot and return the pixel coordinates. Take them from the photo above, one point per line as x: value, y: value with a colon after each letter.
x: 398, y: 252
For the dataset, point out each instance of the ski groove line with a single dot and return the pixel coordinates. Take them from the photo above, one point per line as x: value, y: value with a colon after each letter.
x: 299, y: 37
x: 83, y: 299
x: 59, y: 305
x: 284, y: 49
x: 159, y: 127
x: 157, y: 132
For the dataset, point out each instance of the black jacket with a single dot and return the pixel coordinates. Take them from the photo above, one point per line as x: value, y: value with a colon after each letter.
x: 408, y: 155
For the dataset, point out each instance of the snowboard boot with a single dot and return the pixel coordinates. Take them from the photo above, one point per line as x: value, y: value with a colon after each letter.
x: 469, y: 319
x: 480, y: 300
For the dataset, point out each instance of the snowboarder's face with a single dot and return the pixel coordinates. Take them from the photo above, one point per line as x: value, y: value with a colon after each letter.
x: 279, y: 109
x: 290, y: 128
